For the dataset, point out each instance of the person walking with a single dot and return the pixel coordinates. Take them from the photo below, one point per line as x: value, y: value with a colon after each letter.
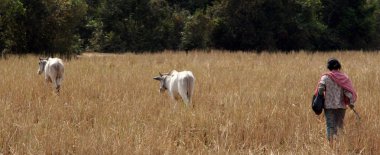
x: 339, y: 93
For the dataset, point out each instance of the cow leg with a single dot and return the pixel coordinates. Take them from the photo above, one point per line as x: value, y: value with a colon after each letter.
x: 182, y: 91
x: 48, y: 79
x: 184, y: 97
x: 172, y: 96
x: 186, y: 100
x: 54, y: 81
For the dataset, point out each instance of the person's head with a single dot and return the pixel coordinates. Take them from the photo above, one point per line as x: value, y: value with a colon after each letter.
x: 333, y: 64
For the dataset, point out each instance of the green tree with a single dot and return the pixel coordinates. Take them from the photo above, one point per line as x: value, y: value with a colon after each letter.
x: 90, y: 25
x: 376, y: 40
x: 138, y: 25
x: 12, y: 31
x: 351, y: 24
x: 197, y: 31
x: 266, y: 25
x: 51, y: 25
x: 190, y: 5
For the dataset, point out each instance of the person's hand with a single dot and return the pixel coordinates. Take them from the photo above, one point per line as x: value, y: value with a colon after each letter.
x: 351, y: 106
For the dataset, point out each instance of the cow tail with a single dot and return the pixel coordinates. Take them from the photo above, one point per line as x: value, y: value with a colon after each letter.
x: 190, y: 84
x: 59, y: 68
x: 188, y: 87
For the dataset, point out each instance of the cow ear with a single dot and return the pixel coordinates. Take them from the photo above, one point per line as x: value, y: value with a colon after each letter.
x: 157, y: 78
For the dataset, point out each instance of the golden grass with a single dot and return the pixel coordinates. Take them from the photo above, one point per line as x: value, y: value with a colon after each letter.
x: 244, y: 103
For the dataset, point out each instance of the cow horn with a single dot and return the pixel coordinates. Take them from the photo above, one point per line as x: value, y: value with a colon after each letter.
x: 160, y: 73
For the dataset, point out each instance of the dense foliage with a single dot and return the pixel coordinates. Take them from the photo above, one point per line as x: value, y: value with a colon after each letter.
x: 71, y: 26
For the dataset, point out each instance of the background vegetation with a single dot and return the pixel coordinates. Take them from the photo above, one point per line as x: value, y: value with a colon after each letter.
x: 245, y: 103
x: 71, y: 26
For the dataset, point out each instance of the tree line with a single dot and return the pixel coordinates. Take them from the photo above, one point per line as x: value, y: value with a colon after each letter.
x: 72, y: 26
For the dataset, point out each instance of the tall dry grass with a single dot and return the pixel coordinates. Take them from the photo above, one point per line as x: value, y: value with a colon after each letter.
x: 244, y: 103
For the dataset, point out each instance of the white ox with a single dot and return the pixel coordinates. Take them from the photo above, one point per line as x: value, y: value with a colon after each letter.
x: 53, y: 69
x: 181, y: 83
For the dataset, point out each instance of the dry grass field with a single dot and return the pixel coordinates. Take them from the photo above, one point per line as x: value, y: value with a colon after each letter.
x: 244, y: 103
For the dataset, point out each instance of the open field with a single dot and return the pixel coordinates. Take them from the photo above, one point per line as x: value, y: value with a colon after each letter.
x: 243, y: 103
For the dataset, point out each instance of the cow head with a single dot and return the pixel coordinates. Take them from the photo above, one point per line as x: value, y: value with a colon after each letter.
x: 41, y: 65
x: 162, y: 79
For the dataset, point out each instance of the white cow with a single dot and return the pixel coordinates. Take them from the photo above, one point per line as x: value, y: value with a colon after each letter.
x: 54, y: 69
x: 181, y: 83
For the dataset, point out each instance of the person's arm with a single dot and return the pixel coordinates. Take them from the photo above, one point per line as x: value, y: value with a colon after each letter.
x: 349, y: 95
x: 322, y: 85
x: 321, y: 88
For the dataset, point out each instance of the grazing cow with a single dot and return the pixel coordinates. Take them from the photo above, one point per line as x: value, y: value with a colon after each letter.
x: 54, y: 69
x: 181, y: 83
